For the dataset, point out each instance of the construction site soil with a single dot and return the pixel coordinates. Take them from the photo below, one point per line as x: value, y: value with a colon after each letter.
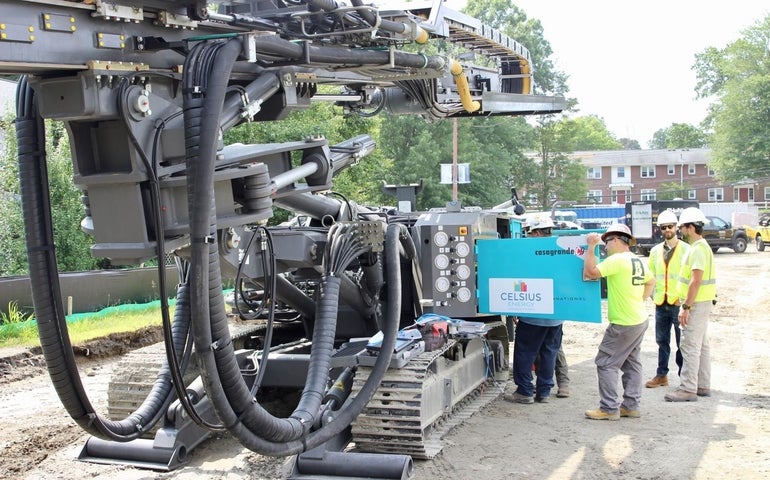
x: 726, y: 435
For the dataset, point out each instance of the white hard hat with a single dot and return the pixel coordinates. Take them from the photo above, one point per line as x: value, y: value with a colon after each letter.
x: 539, y: 222
x: 667, y: 217
x: 620, y: 230
x: 692, y: 215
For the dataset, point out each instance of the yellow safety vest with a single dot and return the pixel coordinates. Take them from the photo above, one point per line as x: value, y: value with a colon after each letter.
x: 708, y: 285
x: 667, y: 275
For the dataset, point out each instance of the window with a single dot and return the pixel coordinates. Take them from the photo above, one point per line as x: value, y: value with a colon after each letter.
x: 691, y: 169
x: 647, y: 171
x: 532, y: 198
x: 671, y: 169
x: 648, y: 194
x: 691, y: 194
x: 711, y: 172
x: 767, y: 194
x: 621, y: 172
x: 716, y: 194
x: 594, y: 172
x: 595, y: 196
x: 621, y: 196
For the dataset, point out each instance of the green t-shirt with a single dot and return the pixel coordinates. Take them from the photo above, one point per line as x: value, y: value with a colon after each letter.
x: 626, y: 275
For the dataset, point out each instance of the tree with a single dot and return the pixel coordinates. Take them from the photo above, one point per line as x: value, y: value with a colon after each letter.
x: 672, y: 190
x: 557, y: 175
x: 737, y: 78
x: 72, y: 245
x: 629, y: 144
x: 513, y: 21
x: 590, y: 133
x: 678, y: 135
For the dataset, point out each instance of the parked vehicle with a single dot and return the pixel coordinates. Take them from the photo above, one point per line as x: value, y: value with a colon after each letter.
x: 720, y: 233
x: 760, y: 233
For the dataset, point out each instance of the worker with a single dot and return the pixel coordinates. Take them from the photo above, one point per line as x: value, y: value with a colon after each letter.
x: 535, y: 337
x: 629, y: 283
x: 698, y: 290
x: 665, y: 260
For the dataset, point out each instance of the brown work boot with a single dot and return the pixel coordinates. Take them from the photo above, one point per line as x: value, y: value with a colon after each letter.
x: 624, y: 412
x: 657, y: 381
x: 562, y: 392
x: 680, y: 395
x: 600, y: 414
x: 703, y: 392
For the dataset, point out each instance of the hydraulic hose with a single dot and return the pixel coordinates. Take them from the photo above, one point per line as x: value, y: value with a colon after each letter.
x: 46, y: 291
x: 463, y: 89
x: 207, y: 72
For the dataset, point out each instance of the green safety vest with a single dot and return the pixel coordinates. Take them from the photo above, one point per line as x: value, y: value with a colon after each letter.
x: 708, y: 285
x: 667, y: 275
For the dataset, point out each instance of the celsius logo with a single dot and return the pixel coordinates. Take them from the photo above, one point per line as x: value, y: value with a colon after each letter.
x: 520, y: 293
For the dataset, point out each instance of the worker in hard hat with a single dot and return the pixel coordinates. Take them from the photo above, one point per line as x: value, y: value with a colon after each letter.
x: 698, y: 289
x: 537, y: 341
x: 664, y: 262
x: 629, y: 283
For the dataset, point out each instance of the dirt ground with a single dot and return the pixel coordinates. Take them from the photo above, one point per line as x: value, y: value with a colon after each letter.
x: 724, y: 436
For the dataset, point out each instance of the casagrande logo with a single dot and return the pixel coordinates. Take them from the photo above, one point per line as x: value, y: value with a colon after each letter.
x: 521, y: 295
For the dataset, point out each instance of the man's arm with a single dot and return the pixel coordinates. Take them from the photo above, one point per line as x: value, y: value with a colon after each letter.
x: 590, y: 271
x: 648, y: 288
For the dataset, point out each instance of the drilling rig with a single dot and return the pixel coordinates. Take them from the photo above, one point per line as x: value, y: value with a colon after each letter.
x: 370, y: 317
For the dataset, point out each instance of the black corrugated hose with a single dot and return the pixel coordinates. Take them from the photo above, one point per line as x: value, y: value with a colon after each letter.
x: 46, y: 291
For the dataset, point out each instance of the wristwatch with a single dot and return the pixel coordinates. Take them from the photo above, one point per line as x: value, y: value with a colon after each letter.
x: 686, y: 307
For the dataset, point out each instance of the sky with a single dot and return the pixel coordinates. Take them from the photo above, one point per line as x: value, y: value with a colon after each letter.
x: 630, y: 62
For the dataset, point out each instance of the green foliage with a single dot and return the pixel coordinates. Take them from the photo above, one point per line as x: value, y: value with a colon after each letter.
x: 14, y: 315
x: 678, y: 135
x: 557, y: 176
x: 737, y: 78
x: 590, y: 133
x: 629, y: 144
x: 672, y: 190
x: 72, y: 245
x: 513, y: 21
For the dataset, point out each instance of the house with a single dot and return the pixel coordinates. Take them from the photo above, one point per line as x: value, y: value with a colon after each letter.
x: 620, y: 176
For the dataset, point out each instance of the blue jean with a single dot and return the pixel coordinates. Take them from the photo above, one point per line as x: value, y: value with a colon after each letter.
x: 531, y: 341
x: 666, y: 316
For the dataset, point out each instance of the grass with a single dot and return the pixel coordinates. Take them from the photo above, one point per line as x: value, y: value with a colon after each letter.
x: 84, y: 327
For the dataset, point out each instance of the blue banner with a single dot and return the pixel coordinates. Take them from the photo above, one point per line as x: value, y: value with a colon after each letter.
x: 537, y: 277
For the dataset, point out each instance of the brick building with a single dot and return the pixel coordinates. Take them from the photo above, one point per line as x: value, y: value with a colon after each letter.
x: 620, y: 176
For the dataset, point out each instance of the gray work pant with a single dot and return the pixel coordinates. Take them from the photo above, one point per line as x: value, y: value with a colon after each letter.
x: 620, y: 351
x: 696, y: 353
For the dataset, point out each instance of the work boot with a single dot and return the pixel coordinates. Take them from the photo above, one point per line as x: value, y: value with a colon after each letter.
x: 517, y: 397
x: 657, y: 381
x: 624, y: 412
x: 703, y: 392
x: 562, y: 392
x: 680, y: 395
x: 540, y: 399
x: 600, y: 414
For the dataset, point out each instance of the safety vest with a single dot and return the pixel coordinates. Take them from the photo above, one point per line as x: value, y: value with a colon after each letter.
x: 666, y: 275
x: 708, y: 284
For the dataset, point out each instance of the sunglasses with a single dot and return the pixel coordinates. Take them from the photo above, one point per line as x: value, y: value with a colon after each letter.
x: 668, y: 227
x: 609, y: 239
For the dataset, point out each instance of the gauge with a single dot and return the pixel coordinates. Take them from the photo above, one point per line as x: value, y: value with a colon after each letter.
x: 464, y: 294
x: 441, y: 261
x: 463, y: 272
x: 441, y: 239
x: 442, y: 284
x: 463, y: 249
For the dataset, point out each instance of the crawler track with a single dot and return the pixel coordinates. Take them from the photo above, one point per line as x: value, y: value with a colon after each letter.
x: 417, y: 405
